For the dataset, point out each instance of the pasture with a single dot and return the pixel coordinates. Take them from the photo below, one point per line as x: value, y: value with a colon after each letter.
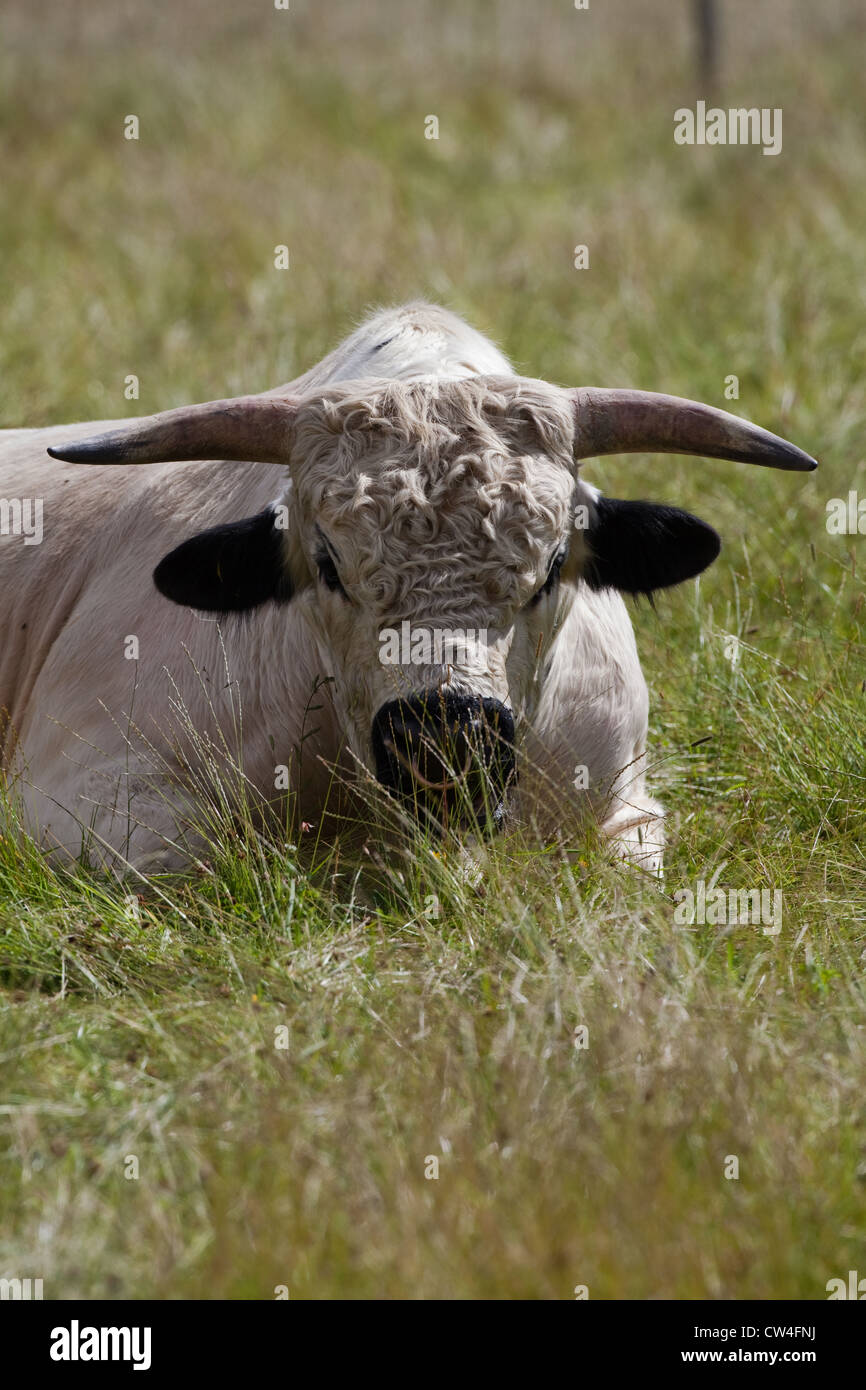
x: 284, y: 1039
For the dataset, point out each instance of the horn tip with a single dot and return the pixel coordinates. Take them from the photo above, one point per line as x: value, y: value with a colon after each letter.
x: 102, y: 450
x: 789, y: 457
x: 74, y: 453
x: 71, y: 453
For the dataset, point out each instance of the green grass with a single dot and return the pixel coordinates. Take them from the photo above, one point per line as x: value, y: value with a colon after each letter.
x: 428, y: 1015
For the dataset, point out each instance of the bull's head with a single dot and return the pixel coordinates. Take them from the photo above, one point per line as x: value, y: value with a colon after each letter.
x: 434, y: 533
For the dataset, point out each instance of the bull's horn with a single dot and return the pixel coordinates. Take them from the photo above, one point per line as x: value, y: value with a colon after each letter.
x: 246, y: 428
x: 622, y: 422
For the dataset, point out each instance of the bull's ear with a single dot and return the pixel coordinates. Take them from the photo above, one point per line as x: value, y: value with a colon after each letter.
x: 228, y: 568
x: 639, y: 547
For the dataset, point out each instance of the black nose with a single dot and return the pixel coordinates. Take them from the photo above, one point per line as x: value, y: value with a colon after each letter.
x: 433, y: 745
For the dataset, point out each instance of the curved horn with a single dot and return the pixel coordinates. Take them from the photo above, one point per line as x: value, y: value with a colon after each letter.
x: 250, y: 429
x: 622, y: 422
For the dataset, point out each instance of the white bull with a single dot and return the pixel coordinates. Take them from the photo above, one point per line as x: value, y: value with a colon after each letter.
x: 405, y: 523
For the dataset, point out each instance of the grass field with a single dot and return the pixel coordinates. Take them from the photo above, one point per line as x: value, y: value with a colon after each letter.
x: 426, y: 1018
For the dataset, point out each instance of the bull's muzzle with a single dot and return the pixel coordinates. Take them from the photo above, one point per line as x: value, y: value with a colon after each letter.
x: 448, y: 756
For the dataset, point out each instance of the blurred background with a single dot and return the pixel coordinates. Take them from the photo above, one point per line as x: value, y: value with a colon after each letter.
x: 306, y: 127
x: 154, y: 257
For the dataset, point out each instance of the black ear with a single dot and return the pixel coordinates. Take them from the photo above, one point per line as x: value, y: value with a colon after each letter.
x: 228, y: 568
x: 642, y: 546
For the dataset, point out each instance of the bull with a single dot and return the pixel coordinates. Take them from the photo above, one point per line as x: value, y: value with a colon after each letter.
x: 389, y: 570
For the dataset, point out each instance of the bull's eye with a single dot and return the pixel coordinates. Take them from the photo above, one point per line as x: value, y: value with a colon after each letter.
x: 328, y: 573
x: 552, y: 578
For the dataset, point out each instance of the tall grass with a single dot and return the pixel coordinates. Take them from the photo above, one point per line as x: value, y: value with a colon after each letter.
x: 581, y: 1068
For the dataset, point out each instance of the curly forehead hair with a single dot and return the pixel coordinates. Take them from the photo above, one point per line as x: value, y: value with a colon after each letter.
x: 434, y: 476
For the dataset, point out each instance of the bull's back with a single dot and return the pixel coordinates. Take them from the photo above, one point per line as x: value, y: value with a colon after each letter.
x: 46, y: 519
x: 79, y: 539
